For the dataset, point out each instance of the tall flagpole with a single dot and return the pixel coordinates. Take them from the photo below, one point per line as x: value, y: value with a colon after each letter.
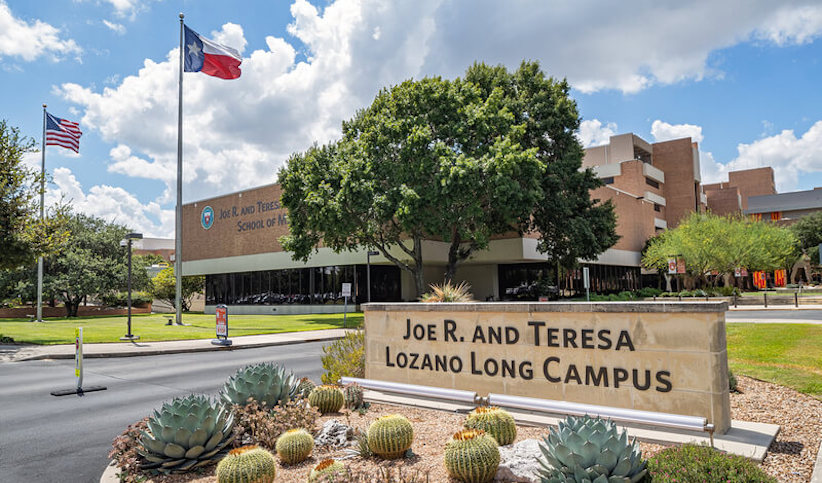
x: 42, y: 217
x: 178, y: 227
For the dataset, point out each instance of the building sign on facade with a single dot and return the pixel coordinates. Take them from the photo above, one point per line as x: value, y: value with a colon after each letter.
x: 207, y: 217
x: 657, y: 357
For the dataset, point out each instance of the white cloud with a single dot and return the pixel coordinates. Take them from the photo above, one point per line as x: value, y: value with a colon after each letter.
x: 662, y: 131
x: 113, y: 204
x: 594, y: 133
x: 30, y: 40
x: 793, y: 26
x: 238, y: 133
x: 115, y: 27
x: 790, y: 156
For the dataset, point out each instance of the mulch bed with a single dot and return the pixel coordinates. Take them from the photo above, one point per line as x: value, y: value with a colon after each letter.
x: 790, y: 458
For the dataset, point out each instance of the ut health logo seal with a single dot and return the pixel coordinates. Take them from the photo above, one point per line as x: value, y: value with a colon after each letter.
x: 207, y: 217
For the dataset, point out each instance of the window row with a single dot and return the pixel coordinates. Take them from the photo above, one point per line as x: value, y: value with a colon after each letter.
x: 307, y: 286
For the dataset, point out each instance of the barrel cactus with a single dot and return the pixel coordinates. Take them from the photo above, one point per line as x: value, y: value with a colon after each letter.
x: 472, y: 456
x: 495, y: 421
x: 326, y: 398
x: 304, y: 387
x: 353, y: 396
x: 294, y: 446
x: 249, y: 464
x: 185, y: 433
x: 390, y: 436
x: 586, y: 449
x: 324, y: 469
x: 266, y: 383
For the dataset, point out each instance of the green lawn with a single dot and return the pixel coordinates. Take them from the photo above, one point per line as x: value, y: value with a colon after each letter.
x: 152, y: 327
x: 786, y: 354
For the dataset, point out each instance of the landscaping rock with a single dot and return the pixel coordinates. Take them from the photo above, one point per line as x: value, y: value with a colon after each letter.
x: 334, y: 434
x: 518, y: 462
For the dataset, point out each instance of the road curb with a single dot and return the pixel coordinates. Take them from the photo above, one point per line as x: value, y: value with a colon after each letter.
x: 155, y: 352
x: 110, y: 474
x: 816, y: 476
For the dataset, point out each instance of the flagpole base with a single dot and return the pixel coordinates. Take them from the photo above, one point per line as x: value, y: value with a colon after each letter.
x: 79, y: 391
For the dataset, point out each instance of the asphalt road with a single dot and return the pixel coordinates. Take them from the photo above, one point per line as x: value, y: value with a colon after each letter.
x: 799, y: 316
x: 45, y: 438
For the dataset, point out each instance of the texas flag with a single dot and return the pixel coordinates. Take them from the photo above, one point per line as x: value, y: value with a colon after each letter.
x: 209, y: 57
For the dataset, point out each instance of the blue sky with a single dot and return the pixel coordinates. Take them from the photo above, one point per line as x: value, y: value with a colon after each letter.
x: 741, y: 77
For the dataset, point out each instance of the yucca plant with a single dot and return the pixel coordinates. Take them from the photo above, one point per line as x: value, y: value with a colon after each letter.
x: 590, y: 450
x: 266, y: 383
x: 186, y: 433
x: 448, y: 292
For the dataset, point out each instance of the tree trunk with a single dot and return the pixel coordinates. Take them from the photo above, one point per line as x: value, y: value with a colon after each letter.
x: 453, y: 258
x: 419, y: 275
x: 72, y: 305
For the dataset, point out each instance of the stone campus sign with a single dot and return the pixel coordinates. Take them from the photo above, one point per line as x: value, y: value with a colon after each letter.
x: 660, y: 356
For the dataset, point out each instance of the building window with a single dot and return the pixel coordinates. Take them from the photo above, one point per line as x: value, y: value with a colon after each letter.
x: 657, y: 207
x: 303, y: 286
x: 608, y: 180
x: 651, y: 183
x: 776, y: 216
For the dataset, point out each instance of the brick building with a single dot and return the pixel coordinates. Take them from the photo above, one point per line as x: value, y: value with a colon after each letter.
x: 232, y: 240
x: 731, y: 197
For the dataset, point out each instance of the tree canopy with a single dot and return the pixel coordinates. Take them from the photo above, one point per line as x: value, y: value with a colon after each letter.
x: 92, y: 262
x: 453, y: 160
x: 164, y: 287
x: 23, y: 236
x: 710, y: 243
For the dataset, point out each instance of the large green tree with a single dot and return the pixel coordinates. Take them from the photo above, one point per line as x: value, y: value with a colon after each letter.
x: 720, y: 244
x: 23, y: 236
x: 458, y: 161
x: 164, y: 287
x: 92, y: 262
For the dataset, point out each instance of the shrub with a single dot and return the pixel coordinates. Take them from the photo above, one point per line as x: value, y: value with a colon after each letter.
x: 704, y: 464
x: 255, y: 425
x: 4, y: 339
x: 728, y: 291
x: 732, y: 383
x: 120, y: 299
x: 649, y: 292
x: 625, y: 295
x: 344, y: 357
x: 124, y: 453
x: 448, y: 292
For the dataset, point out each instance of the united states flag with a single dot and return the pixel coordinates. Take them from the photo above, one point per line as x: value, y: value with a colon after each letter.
x: 60, y: 132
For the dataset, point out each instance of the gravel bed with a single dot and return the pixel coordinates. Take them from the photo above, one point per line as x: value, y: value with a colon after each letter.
x: 790, y: 458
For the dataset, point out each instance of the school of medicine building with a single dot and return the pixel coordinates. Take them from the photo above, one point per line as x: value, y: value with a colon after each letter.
x: 232, y: 240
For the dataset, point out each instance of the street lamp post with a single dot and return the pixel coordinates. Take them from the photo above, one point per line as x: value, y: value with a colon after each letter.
x: 127, y: 242
x: 368, y: 272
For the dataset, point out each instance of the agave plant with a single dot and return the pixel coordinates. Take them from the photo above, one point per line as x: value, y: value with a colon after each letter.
x: 590, y: 450
x: 186, y: 433
x: 266, y: 383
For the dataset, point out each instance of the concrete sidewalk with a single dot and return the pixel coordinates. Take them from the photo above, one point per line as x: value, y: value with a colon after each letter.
x: 138, y: 348
x: 776, y: 307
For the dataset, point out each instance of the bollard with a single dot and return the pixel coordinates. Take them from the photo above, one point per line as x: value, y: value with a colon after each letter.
x: 735, y: 300
x: 796, y: 299
x: 680, y: 298
x: 766, y: 300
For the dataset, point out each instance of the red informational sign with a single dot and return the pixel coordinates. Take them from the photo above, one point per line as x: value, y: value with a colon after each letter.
x: 779, y: 277
x: 222, y: 321
x: 760, y: 281
x: 680, y: 265
x: 671, y: 266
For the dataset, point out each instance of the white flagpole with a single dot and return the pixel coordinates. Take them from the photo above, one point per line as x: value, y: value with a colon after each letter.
x: 178, y: 227
x: 42, y: 217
